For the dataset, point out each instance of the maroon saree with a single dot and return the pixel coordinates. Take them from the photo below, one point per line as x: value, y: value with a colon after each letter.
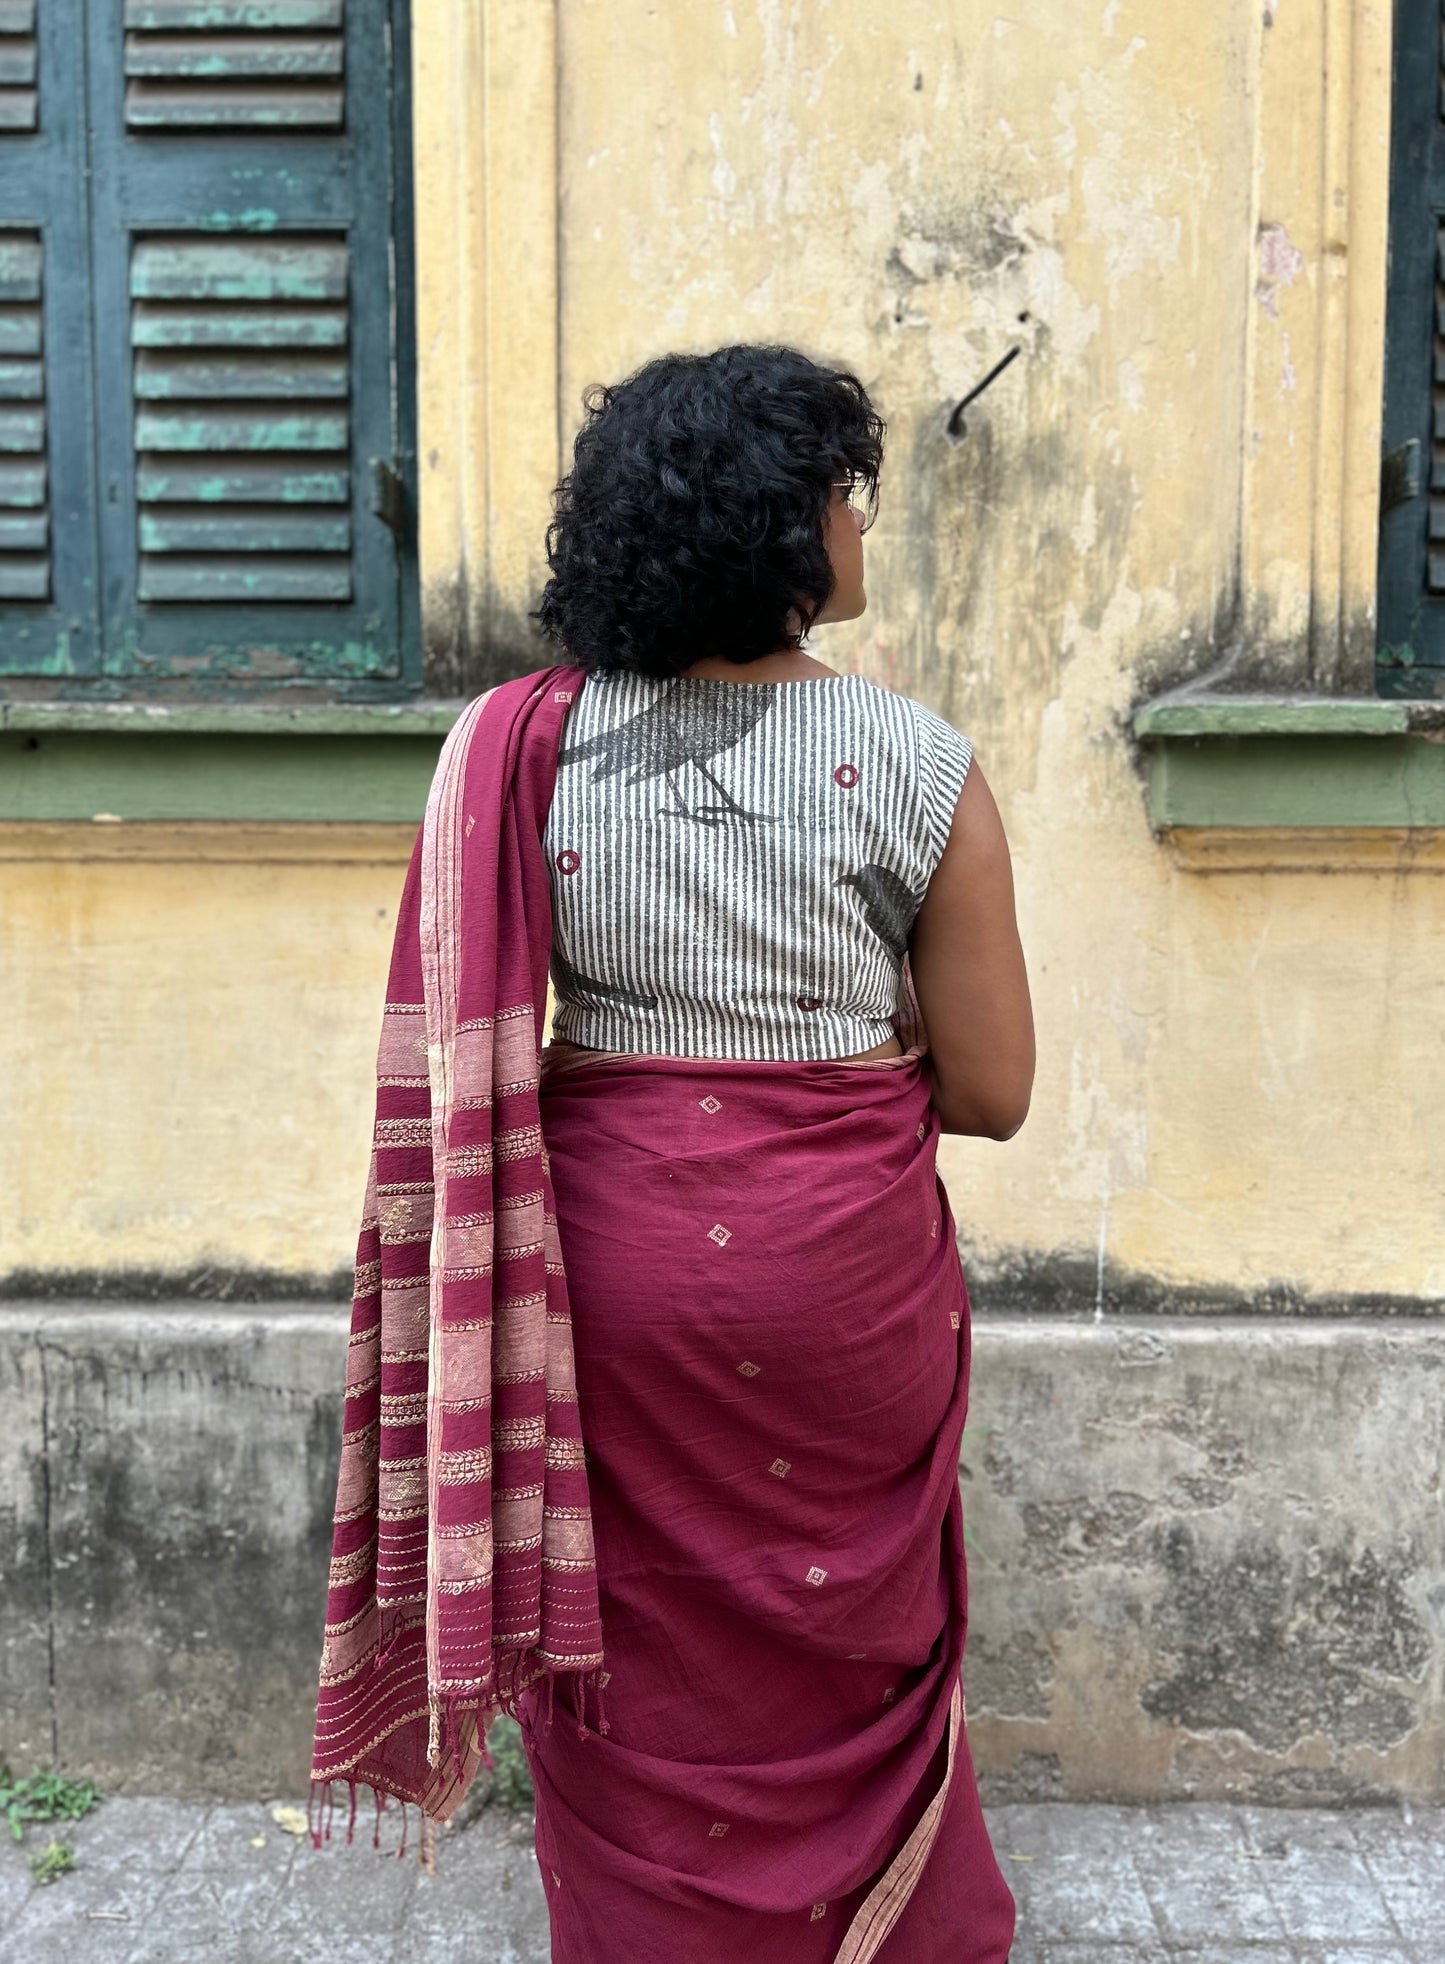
x: 772, y: 1338
x: 746, y: 1395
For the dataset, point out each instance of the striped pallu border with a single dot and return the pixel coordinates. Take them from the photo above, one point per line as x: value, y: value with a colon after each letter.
x: 462, y: 1561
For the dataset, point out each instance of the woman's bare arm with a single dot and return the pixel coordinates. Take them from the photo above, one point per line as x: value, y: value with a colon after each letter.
x: 969, y: 976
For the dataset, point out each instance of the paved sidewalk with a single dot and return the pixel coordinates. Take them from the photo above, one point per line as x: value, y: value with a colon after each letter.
x: 168, y: 1882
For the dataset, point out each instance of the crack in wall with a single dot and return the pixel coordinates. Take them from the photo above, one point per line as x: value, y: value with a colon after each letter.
x: 45, y: 1535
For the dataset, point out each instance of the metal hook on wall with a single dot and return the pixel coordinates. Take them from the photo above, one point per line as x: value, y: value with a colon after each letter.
x: 955, y: 424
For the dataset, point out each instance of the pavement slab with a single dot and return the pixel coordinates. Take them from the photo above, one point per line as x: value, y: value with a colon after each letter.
x: 173, y: 1882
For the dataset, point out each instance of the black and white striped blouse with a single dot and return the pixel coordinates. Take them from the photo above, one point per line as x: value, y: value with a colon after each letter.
x: 735, y: 866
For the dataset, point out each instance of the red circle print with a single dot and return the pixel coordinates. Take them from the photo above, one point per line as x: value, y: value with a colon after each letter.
x: 568, y: 861
x: 846, y: 775
x: 810, y: 1002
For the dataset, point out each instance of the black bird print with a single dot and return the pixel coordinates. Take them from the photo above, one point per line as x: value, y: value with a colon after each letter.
x: 888, y: 905
x: 680, y: 728
x: 572, y: 986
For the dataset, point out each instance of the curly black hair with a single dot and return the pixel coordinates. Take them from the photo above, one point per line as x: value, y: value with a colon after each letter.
x: 691, y: 522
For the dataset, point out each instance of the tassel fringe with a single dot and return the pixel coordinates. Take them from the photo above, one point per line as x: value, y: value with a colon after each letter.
x: 446, y: 1715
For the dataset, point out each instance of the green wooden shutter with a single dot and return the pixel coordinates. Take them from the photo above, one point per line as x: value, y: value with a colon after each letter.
x: 248, y: 322
x: 1411, y: 585
x: 48, y: 544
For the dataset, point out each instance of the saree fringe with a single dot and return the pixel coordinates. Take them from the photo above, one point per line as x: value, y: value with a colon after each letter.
x: 446, y: 1717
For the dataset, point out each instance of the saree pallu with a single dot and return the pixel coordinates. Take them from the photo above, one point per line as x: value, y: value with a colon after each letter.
x: 461, y: 1560
x: 771, y: 1331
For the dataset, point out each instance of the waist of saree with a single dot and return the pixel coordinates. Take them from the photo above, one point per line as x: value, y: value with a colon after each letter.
x: 560, y: 1054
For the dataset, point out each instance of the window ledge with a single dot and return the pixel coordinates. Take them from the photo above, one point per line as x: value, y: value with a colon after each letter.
x: 93, y: 762
x: 349, y: 719
x: 1317, y: 781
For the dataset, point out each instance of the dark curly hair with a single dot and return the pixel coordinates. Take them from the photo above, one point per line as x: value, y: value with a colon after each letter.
x: 691, y: 522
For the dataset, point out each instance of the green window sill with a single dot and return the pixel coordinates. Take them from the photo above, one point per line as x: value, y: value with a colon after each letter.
x: 1293, y: 764
x: 324, y: 762
x: 1220, y: 764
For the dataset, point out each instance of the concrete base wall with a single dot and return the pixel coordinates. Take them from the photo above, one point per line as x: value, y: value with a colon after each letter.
x: 1210, y: 1559
x: 1207, y: 1560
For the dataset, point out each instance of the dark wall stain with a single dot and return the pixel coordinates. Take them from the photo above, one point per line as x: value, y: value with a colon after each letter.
x: 1278, y: 1644
x: 1008, y: 1680
x: 1020, y: 1283
x: 1032, y: 1776
x: 473, y: 639
x: 204, y: 1283
x: 1082, y: 1531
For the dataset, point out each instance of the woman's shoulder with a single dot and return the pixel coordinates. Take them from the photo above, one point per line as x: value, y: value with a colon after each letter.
x: 934, y: 738
x: 934, y: 757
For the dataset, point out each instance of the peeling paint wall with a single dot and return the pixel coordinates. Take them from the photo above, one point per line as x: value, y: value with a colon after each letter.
x: 1178, y: 215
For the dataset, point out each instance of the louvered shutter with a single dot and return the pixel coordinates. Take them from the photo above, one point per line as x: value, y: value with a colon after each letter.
x: 246, y: 331
x: 48, y: 623
x: 1411, y: 584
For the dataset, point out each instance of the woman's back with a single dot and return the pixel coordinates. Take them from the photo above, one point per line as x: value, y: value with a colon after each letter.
x: 736, y: 867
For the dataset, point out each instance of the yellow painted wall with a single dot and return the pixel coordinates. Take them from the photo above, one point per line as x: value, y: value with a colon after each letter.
x: 1179, y: 214
x: 187, y: 1044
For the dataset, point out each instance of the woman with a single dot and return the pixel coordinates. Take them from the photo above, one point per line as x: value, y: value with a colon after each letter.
x: 779, y: 920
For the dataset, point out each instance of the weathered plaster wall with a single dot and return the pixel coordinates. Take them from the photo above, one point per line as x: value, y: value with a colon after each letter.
x: 1177, y: 214
x: 1181, y: 1582
x: 189, y: 1051
x: 1207, y: 1559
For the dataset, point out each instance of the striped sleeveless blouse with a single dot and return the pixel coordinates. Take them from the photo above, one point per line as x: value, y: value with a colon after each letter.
x: 735, y: 866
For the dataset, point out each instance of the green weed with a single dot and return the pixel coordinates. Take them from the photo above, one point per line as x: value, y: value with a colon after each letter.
x: 43, y: 1796
x: 512, y: 1780
x: 54, y: 1862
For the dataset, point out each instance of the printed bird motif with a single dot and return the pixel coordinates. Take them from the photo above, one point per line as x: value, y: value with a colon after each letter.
x: 888, y: 905
x: 572, y: 986
x: 680, y: 728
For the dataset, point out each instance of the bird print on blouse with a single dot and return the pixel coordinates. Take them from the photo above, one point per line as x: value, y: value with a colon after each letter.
x: 573, y: 986
x: 679, y: 729
x: 889, y: 905
x: 736, y: 868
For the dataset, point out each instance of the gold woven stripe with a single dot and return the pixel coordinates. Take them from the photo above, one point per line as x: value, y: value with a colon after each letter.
x: 519, y: 1434
x: 455, y: 1469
